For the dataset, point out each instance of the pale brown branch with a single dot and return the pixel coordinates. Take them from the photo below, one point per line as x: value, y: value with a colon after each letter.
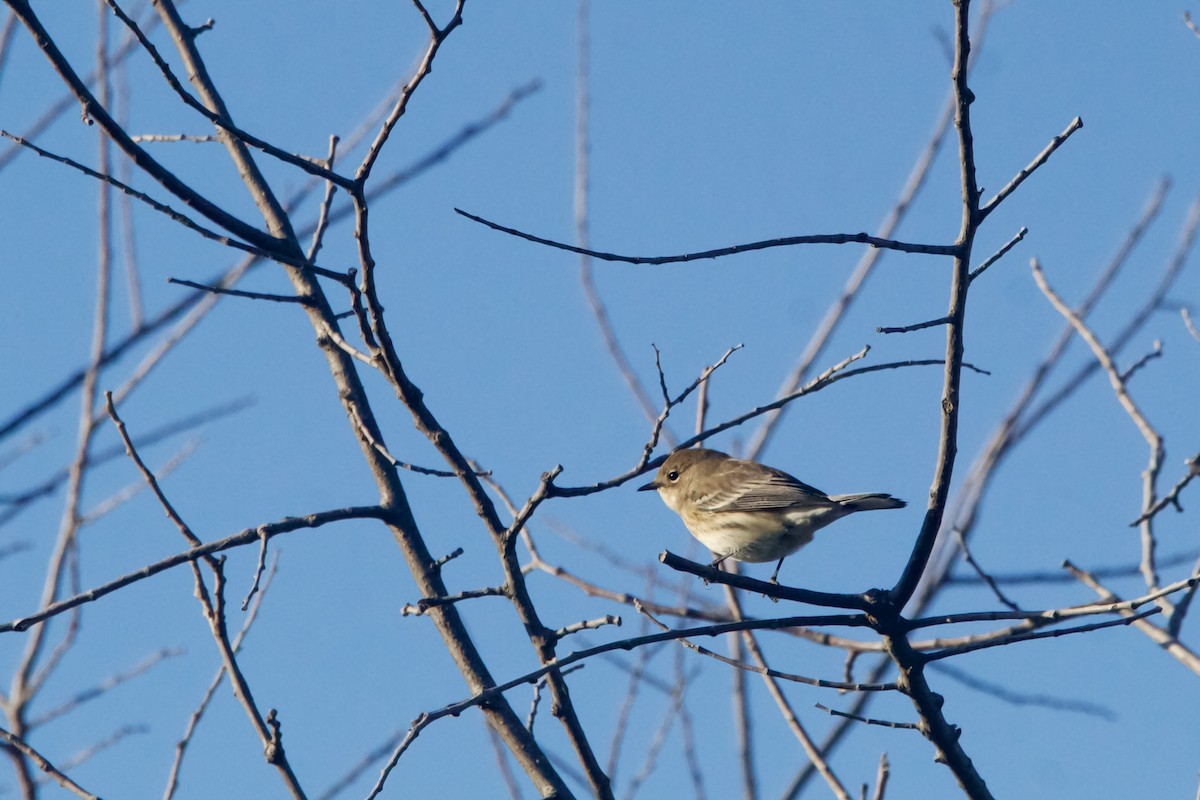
x: 1187, y: 20
x: 881, y: 777
x: 423, y: 605
x: 1187, y: 322
x: 172, y: 137
x: 1153, y: 440
x: 1171, y: 498
x: 1005, y: 694
x: 1164, y: 638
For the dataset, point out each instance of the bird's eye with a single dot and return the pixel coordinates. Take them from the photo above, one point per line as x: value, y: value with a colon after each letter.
x: 673, y: 476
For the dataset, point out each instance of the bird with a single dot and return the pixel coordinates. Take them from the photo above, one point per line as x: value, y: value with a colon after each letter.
x: 747, y: 511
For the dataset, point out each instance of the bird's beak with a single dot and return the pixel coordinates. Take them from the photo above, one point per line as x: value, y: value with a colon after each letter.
x: 649, y: 487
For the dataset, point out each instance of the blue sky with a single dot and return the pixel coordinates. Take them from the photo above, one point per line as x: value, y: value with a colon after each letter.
x: 712, y: 124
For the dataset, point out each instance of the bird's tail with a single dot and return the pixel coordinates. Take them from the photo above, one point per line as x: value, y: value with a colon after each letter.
x: 867, y: 502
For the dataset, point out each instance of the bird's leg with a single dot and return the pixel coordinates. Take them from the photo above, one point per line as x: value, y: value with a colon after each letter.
x: 720, y: 560
x: 775, y: 574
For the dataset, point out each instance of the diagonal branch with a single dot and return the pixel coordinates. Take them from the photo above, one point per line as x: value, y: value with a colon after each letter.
x: 1020, y: 177
x: 96, y: 112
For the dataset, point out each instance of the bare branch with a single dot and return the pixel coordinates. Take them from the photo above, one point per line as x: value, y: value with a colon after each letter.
x: 1156, y: 351
x: 846, y: 686
x: 1165, y: 639
x: 587, y: 625
x: 162, y: 208
x: 1171, y: 498
x: 933, y: 323
x: 881, y: 778
x: 436, y: 37
x: 1153, y: 440
x: 96, y: 112
x: 1026, y: 637
x: 274, y: 298
x: 1007, y: 695
x: 999, y: 254
x: 1042, y: 158
x: 787, y: 241
x: 988, y: 579
x: 425, y: 603
x: 243, y: 537
x: 815, y: 756
x: 172, y: 137
x: 222, y: 121
x: 1191, y: 326
x: 105, y: 686
x: 907, y: 726
x: 871, y: 258
x: 1187, y: 20
x: 45, y: 766
x: 194, y: 720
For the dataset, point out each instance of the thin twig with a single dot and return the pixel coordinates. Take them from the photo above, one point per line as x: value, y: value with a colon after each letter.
x: 172, y: 137
x: 425, y: 603
x: 1007, y: 695
x: 906, y: 726
x: 933, y: 323
x: 1187, y: 322
x: 1153, y: 440
x: 845, y: 686
x: 999, y: 254
x: 162, y: 208
x: 1027, y: 637
x: 104, y: 686
x: 1187, y: 20
x: 44, y: 765
x: 815, y: 756
x: 586, y: 274
x: 198, y: 714
x: 881, y: 777
x: 239, y: 539
x: 436, y: 37
x: 1156, y: 351
x: 786, y: 241
x: 1171, y: 498
x: 222, y: 121
x: 274, y: 298
x: 1039, y: 160
x: 1166, y: 639
x: 988, y: 579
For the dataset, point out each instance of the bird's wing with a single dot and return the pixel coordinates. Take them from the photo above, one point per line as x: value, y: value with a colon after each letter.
x: 755, y: 488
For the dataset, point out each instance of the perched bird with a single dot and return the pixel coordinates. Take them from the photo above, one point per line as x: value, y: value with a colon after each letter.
x: 749, y: 512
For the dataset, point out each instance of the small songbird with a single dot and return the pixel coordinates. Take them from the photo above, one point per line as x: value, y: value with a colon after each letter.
x: 749, y: 512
